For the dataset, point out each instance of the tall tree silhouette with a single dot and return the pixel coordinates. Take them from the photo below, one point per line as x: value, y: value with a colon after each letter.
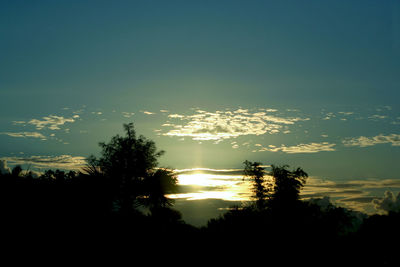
x: 129, y: 164
x: 261, y: 190
x: 287, y: 186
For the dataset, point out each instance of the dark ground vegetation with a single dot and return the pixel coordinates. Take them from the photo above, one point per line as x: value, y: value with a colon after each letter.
x: 119, y: 198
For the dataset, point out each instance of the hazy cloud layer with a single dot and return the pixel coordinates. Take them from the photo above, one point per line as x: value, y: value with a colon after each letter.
x: 229, y: 185
x: 362, y: 141
x: 301, y: 148
x: 49, y: 162
x: 357, y: 194
x: 220, y: 125
x: 25, y: 135
x: 388, y: 203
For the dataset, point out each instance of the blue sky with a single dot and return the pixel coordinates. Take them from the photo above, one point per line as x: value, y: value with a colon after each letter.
x: 305, y: 83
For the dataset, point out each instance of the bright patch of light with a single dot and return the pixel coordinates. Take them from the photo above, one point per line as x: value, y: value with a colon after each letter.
x: 216, y: 186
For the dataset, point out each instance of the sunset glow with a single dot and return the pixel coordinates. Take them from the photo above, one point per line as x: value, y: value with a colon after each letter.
x: 309, y: 84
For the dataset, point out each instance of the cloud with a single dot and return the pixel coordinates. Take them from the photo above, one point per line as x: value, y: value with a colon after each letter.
x: 346, y: 113
x: 25, y: 135
x: 127, y: 114
x: 176, y: 116
x: 4, y: 169
x: 220, y: 125
x: 147, y: 112
x: 203, y: 183
x: 362, y: 141
x: 51, y: 122
x: 49, y: 162
x: 388, y: 203
x: 301, y: 148
x: 377, y: 117
x: 329, y: 116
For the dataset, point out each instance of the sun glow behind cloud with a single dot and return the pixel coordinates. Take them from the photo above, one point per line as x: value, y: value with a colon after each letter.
x: 212, y: 186
x: 231, y: 185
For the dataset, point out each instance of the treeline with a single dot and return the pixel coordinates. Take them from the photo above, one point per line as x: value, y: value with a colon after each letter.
x: 121, y: 195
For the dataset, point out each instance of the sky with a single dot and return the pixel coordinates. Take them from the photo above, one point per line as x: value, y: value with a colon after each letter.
x: 314, y: 84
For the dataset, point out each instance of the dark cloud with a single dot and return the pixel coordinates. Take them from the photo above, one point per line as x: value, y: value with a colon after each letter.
x: 388, y: 203
x: 365, y: 200
x: 4, y: 169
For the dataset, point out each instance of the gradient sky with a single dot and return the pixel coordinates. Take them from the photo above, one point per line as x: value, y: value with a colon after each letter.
x: 314, y: 84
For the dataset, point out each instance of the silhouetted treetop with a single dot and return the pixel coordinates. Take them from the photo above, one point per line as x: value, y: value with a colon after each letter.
x: 130, y: 164
x: 256, y: 173
x: 287, y: 184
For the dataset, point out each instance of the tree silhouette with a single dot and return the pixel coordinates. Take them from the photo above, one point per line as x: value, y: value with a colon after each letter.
x: 129, y: 164
x: 256, y: 173
x: 287, y: 186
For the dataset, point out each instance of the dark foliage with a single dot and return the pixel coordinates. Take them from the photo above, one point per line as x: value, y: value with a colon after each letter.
x: 120, y: 199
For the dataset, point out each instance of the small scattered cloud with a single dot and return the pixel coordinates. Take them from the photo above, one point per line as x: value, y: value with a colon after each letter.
x: 147, y: 112
x: 301, y: 148
x: 346, y: 113
x: 362, y: 141
x: 176, y: 116
x: 329, y: 116
x: 127, y: 114
x: 164, y: 111
x: 25, y: 135
x: 220, y: 125
x: 51, y: 122
x: 377, y: 117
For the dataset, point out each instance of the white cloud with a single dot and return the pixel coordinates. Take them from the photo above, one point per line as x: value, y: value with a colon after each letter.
x: 51, y: 122
x: 363, y: 141
x: 25, y: 135
x: 127, y: 114
x: 377, y: 117
x: 176, y: 116
x: 301, y: 148
x: 49, y: 162
x: 147, y: 112
x: 346, y: 113
x: 219, y: 125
